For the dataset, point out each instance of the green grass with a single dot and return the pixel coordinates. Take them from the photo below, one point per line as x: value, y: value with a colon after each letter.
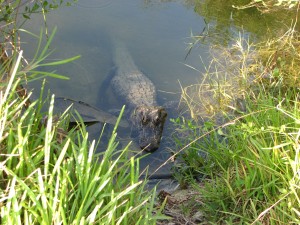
x: 256, y: 178
x: 251, y: 165
x: 251, y: 171
x: 51, y: 176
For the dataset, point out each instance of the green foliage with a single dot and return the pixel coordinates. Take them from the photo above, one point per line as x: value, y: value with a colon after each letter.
x: 49, y: 176
x: 194, y: 140
x: 281, y: 62
x: 263, y: 149
x: 252, y: 169
x: 13, y: 14
x: 10, y: 10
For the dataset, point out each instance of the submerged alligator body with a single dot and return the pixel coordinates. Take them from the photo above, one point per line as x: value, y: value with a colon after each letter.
x: 139, y: 94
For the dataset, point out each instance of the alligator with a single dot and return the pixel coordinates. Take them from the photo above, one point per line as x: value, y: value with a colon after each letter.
x: 139, y: 94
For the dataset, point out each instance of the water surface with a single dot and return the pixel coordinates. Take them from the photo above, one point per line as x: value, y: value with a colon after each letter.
x: 156, y: 34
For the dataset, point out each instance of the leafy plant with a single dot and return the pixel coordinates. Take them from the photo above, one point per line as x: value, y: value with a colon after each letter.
x: 10, y: 10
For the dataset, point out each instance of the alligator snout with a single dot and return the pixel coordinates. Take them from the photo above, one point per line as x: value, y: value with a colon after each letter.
x: 149, y: 120
x: 149, y: 147
x: 149, y: 141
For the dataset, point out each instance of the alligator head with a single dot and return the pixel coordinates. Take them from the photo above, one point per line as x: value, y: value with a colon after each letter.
x: 149, y: 122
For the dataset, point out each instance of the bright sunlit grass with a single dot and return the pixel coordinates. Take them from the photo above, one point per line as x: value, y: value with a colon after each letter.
x: 52, y: 176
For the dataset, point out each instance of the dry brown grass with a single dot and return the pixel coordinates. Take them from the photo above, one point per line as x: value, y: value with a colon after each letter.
x: 226, y: 80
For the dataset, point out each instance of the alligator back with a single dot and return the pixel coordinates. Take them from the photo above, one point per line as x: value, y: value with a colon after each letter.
x: 139, y: 93
x: 129, y: 83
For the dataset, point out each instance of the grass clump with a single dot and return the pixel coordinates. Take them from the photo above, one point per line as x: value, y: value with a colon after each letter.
x: 249, y: 159
x: 226, y: 80
x: 51, y: 176
x: 281, y: 62
x: 252, y: 177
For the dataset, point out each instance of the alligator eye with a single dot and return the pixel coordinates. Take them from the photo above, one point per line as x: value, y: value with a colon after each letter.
x: 156, y: 121
x: 144, y: 120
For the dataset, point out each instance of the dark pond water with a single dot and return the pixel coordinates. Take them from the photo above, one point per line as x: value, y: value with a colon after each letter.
x: 155, y: 32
